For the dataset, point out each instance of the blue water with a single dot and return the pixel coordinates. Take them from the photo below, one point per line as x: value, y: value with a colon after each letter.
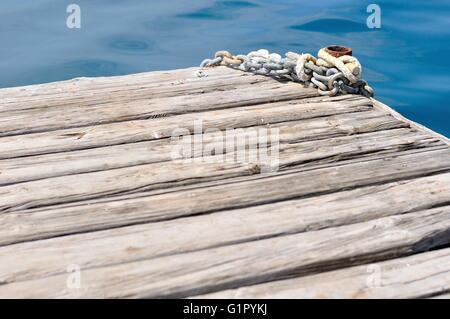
x: 406, y: 61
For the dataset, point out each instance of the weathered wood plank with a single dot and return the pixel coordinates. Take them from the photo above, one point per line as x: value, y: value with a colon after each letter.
x: 123, y: 91
x: 353, y: 147
x: 249, y: 263
x: 150, y: 106
x: 87, y: 177
x: 78, y: 187
x: 417, y: 126
x: 86, y: 83
x: 27, y: 225
x: 123, y: 155
x: 88, y: 87
x: 104, y: 89
x: 131, y: 154
x: 72, y: 188
x: 126, y: 244
x: 415, y: 276
x: 151, y: 129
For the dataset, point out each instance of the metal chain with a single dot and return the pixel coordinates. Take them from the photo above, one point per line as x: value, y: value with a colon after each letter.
x: 329, y: 79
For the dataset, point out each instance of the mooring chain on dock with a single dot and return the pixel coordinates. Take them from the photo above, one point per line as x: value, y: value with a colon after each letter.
x: 334, y: 71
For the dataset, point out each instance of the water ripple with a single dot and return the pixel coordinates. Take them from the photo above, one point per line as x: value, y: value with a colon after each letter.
x: 129, y: 44
x: 331, y: 25
x: 220, y: 10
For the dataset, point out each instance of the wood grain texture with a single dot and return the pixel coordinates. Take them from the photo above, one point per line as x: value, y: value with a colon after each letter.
x: 88, y: 177
x: 252, y: 262
x: 152, y: 129
x: 150, y: 106
x: 126, y: 244
x: 78, y: 187
x: 25, y: 224
x: 131, y: 154
x: 102, y: 90
x: 418, y: 276
x: 383, y: 107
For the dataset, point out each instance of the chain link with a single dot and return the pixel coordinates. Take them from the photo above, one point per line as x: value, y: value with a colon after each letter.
x: 330, y: 75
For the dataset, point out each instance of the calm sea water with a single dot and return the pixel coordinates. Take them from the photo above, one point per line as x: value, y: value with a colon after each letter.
x: 406, y: 61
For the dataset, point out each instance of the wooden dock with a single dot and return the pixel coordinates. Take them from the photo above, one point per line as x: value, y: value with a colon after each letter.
x: 94, y: 205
